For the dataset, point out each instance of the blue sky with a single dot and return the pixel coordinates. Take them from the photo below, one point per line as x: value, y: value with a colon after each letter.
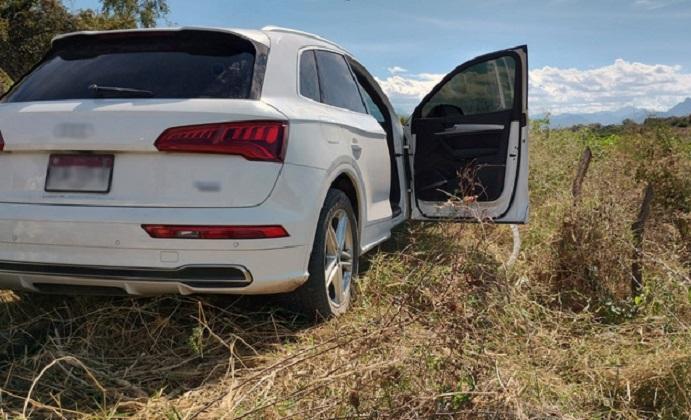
x: 585, y: 55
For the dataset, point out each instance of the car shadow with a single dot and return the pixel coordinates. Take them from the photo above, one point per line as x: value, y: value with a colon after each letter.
x: 134, y: 348
x: 397, y: 242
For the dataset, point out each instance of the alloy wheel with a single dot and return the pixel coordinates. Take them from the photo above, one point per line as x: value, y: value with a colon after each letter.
x: 338, y: 264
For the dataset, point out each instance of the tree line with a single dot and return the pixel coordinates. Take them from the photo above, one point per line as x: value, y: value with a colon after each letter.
x: 27, y: 27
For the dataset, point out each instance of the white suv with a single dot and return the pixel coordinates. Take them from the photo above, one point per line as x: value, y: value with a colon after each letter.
x: 227, y: 161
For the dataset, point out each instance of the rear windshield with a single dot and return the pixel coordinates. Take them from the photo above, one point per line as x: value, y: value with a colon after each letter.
x: 176, y: 65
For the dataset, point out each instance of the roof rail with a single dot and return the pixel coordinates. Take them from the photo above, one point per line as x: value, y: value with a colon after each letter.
x: 272, y: 28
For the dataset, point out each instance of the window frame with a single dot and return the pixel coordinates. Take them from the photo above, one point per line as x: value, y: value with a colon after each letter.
x: 321, y: 91
x: 380, y: 96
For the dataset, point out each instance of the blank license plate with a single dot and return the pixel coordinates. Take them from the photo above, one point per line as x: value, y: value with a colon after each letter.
x: 79, y: 173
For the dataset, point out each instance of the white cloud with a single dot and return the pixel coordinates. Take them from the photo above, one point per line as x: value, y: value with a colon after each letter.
x: 396, y: 70
x: 558, y: 90
x: 656, y: 4
x: 650, y: 86
x: 406, y: 91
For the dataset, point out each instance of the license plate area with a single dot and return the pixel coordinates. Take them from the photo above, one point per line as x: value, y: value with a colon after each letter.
x: 79, y: 173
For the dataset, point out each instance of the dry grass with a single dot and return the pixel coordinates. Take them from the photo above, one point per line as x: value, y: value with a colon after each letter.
x: 440, y: 328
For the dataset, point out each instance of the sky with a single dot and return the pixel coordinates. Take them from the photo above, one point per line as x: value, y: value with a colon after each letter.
x: 585, y: 55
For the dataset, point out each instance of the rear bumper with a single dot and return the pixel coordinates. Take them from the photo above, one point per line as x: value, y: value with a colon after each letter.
x: 106, y: 246
x: 204, y: 276
x: 252, y: 272
x: 79, y: 279
x: 52, y: 278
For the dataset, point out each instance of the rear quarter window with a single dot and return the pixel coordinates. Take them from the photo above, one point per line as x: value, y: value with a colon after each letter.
x: 309, y: 81
x: 171, y: 65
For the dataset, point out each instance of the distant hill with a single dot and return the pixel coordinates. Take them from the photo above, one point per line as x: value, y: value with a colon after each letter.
x: 617, y: 116
x: 679, y: 110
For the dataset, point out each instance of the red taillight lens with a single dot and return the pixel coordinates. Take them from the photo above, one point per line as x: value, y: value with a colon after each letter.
x: 254, y: 140
x: 2, y: 143
x: 215, y: 232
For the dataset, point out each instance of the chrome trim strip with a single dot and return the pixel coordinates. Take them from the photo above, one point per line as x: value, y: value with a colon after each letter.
x: 471, y: 128
x: 180, y: 274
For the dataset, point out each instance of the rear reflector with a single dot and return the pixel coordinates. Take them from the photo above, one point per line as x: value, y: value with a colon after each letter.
x: 254, y: 140
x: 215, y: 232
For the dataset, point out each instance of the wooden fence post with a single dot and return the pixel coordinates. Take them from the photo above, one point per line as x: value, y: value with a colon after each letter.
x: 638, y: 228
x: 580, y: 174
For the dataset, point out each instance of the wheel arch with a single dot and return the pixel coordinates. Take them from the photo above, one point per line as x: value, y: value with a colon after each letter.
x: 344, y: 182
x: 343, y: 175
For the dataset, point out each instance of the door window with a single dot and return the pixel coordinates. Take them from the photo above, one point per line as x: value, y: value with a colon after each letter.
x: 483, y: 88
x: 338, y: 87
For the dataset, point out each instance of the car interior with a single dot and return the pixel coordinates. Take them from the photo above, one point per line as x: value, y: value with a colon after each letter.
x: 462, y: 132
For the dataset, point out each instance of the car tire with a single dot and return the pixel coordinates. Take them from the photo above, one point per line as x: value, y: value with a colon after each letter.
x: 333, y: 264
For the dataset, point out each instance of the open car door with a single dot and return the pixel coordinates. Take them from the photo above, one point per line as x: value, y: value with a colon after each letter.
x: 469, y: 143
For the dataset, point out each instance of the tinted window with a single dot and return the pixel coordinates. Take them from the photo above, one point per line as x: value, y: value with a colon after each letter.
x: 309, y: 82
x: 482, y: 88
x: 337, y: 84
x: 169, y: 65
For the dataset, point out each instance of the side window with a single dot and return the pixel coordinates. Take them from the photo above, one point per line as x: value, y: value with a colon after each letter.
x: 309, y: 81
x: 337, y: 84
x: 482, y: 88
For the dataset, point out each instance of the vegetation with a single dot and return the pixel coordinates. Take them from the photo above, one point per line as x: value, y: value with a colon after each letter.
x: 440, y: 326
x: 675, y: 122
x: 680, y: 122
x: 27, y: 26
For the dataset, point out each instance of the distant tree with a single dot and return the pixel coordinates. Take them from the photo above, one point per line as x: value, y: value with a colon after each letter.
x: 132, y: 13
x: 5, y: 81
x: 541, y: 125
x: 27, y: 26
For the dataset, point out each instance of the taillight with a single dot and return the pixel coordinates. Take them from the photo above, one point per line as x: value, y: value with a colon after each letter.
x: 2, y: 143
x: 215, y: 232
x: 254, y: 140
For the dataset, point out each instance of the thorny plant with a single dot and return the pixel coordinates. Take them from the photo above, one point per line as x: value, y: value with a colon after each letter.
x: 466, y: 196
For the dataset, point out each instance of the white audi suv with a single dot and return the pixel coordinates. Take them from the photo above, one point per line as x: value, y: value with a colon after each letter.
x: 231, y: 161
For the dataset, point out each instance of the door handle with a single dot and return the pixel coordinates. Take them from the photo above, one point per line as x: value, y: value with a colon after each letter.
x: 471, y: 129
x: 355, y: 146
x: 357, y: 149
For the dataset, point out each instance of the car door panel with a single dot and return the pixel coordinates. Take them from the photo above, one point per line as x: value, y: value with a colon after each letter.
x: 360, y: 136
x: 366, y: 142
x: 454, y: 143
x: 468, y: 142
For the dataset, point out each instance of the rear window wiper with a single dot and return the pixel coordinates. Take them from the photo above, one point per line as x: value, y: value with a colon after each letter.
x: 119, y: 92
